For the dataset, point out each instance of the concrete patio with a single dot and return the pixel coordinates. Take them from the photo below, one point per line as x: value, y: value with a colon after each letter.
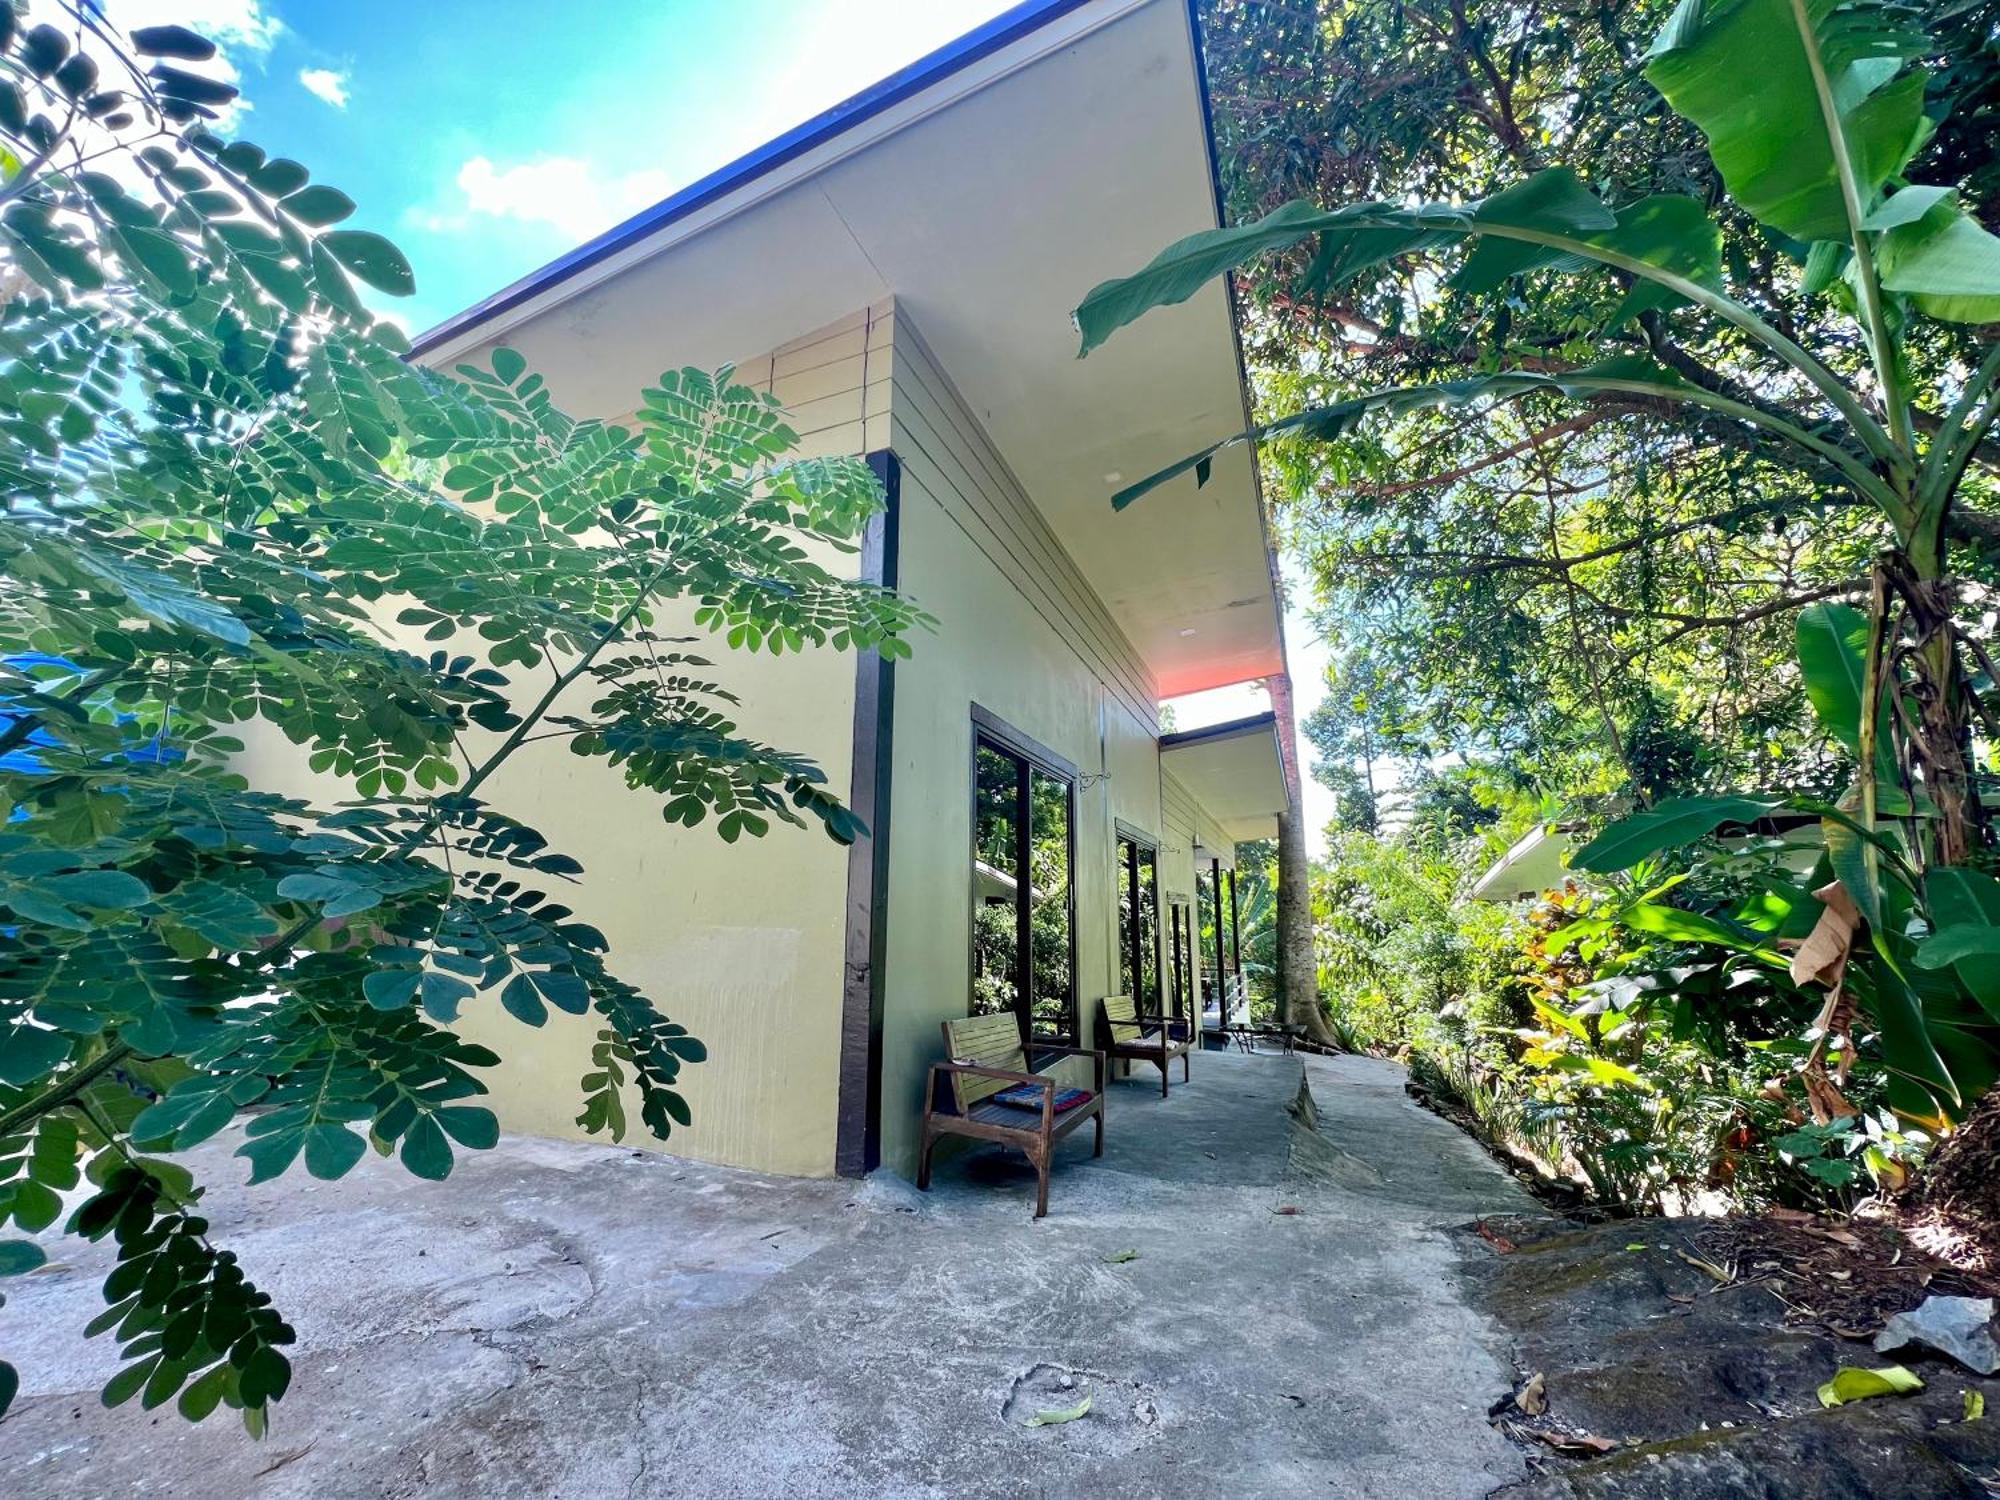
x: 576, y: 1321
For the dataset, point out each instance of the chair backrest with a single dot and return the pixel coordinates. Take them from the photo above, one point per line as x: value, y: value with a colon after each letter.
x: 991, y: 1042
x: 1122, y: 1016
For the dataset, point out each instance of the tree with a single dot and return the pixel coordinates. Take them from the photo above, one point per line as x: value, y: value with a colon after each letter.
x: 1838, y: 356
x: 1522, y: 566
x: 227, y: 502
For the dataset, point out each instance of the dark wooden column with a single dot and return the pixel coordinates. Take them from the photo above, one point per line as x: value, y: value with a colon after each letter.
x: 1236, y: 939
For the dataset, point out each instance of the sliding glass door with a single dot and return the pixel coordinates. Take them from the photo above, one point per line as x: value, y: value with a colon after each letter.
x: 1138, y: 920
x: 1023, y: 918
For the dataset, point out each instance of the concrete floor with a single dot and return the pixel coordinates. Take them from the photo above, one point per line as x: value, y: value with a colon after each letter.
x: 570, y: 1321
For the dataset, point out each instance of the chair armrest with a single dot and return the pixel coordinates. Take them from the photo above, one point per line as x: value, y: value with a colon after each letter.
x: 974, y: 1068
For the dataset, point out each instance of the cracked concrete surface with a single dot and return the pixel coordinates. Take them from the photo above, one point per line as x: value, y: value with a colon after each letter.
x: 562, y: 1320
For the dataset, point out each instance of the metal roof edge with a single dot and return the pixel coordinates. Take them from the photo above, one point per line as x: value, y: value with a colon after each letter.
x: 926, y: 72
x: 1233, y: 729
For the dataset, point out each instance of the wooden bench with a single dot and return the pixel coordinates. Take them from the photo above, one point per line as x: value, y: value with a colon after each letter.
x: 1122, y: 1032
x: 987, y: 1058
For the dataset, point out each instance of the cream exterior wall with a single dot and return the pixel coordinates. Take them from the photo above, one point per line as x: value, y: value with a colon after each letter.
x: 744, y: 944
x: 741, y: 943
x: 1021, y: 635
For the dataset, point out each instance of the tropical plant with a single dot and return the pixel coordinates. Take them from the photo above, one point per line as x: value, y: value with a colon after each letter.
x: 227, y: 506
x: 1812, y: 112
x: 1883, y: 938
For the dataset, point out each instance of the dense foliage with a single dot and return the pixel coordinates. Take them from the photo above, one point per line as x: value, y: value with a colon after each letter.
x: 227, y: 518
x: 1630, y: 403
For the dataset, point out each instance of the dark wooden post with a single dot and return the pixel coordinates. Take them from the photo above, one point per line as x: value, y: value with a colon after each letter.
x: 1236, y: 940
x: 1221, y: 969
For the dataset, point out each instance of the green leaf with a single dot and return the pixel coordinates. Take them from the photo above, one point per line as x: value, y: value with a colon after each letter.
x: 1060, y: 1415
x: 171, y: 41
x: 1945, y: 261
x: 1550, y: 206
x: 332, y: 1150
x: 471, y: 1126
x: 1670, y: 825
x: 1833, y: 655
x: 206, y: 1393
x: 1961, y: 898
x: 108, y: 890
x: 1852, y: 1383
x: 18, y: 1257
x: 426, y: 1153
x: 1957, y: 945
x: 30, y: 1052
x: 1186, y: 266
x: 1680, y: 926
x: 391, y: 989
x: 1742, y: 71
x: 371, y: 258
x: 318, y: 205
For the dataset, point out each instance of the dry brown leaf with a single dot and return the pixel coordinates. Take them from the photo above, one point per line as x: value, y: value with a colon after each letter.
x: 1823, y: 954
x: 1573, y: 1442
x: 1706, y: 1267
x: 1828, y: 1103
x: 1534, y: 1397
x: 1497, y: 1240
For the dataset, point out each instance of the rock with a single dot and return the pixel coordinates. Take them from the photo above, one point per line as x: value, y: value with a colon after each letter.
x: 1847, y: 1454
x: 1957, y: 1326
x: 1707, y: 1391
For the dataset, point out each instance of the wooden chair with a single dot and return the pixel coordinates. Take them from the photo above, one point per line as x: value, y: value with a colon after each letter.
x: 987, y: 1058
x: 1123, y: 1033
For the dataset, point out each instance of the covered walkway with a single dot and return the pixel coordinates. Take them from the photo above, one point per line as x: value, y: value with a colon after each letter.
x: 562, y: 1320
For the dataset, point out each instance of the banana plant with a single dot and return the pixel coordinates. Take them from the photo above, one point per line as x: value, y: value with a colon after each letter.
x: 1913, y: 952
x: 1814, y: 111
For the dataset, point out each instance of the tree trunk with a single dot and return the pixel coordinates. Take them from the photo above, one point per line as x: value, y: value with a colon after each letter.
x: 1298, y: 973
x: 1940, y: 739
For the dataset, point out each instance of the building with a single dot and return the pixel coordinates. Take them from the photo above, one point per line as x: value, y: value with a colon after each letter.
x: 899, y: 272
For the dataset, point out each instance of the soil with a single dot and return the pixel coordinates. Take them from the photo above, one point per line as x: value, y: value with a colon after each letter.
x: 1683, y: 1357
x: 1955, y: 1211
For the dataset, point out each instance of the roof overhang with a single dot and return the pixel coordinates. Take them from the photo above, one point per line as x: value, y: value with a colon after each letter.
x: 986, y: 188
x: 1234, y: 771
x: 1535, y: 864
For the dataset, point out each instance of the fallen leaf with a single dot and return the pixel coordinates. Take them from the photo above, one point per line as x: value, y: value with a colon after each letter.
x: 1534, y: 1397
x: 1573, y: 1442
x: 1286, y: 1208
x: 1119, y: 1257
x: 1063, y: 1414
x: 1975, y: 1405
x: 1635, y: 1247
x: 1706, y: 1267
x: 1497, y: 1240
x: 1852, y: 1383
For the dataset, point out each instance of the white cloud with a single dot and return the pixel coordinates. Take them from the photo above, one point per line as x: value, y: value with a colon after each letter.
x: 326, y: 83
x: 565, y: 192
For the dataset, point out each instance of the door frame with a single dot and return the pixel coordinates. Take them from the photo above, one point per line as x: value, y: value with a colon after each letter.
x: 989, y: 729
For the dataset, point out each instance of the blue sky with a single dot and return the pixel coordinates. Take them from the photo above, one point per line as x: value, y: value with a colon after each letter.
x: 487, y: 137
